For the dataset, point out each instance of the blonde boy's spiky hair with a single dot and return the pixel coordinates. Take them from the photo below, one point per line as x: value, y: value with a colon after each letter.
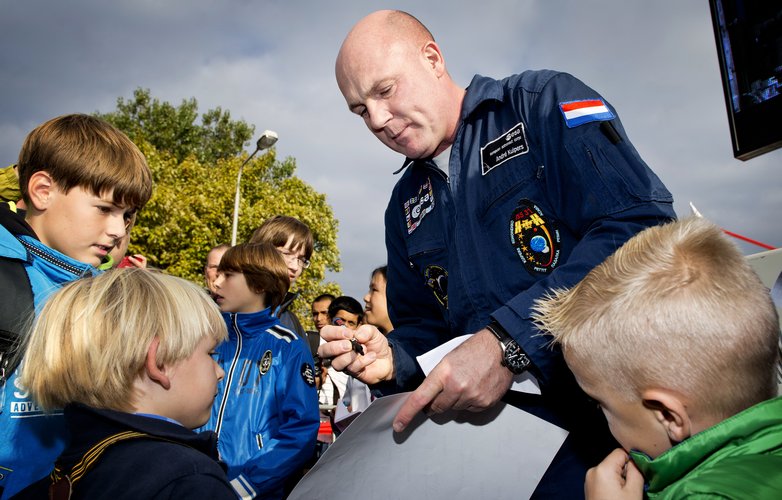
x: 676, y: 307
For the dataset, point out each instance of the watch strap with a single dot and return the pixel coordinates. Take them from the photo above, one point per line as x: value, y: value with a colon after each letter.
x: 519, y: 362
x: 498, y: 331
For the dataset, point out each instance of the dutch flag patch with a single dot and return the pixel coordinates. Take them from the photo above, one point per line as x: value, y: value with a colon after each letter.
x: 589, y: 110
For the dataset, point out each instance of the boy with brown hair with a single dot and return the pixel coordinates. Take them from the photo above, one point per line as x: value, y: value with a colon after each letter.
x: 294, y: 240
x: 266, y: 411
x: 82, y: 181
x: 675, y: 337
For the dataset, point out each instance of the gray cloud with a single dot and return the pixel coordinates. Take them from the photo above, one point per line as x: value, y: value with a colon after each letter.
x: 271, y: 63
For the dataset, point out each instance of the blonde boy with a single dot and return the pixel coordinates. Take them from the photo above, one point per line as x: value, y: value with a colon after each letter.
x: 266, y: 411
x: 675, y: 337
x: 82, y: 181
x: 128, y: 355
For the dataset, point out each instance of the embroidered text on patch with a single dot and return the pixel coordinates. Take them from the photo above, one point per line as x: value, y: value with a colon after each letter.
x: 308, y: 374
x: 589, y: 110
x: 418, y: 206
x: 509, y: 145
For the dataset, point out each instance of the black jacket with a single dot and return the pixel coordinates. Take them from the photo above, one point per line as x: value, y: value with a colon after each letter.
x: 182, y: 464
x: 288, y: 318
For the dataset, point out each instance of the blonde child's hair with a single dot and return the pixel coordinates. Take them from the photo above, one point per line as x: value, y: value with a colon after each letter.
x: 263, y: 268
x: 676, y: 307
x: 278, y: 229
x: 89, y: 343
x: 85, y: 151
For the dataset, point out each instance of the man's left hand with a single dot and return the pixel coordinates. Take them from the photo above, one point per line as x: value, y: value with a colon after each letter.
x: 471, y: 377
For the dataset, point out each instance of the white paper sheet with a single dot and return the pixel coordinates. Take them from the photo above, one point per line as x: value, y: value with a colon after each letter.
x: 524, y: 382
x: 500, y: 453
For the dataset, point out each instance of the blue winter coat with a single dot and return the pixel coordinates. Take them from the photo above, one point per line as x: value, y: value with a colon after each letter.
x: 30, y: 440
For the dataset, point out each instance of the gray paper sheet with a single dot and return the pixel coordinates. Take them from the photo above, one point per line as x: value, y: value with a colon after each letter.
x: 500, y: 453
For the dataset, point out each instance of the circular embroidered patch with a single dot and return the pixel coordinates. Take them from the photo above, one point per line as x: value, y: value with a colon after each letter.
x: 534, y: 237
x: 266, y: 362
x: 308, y: 374
x: 437, y: 280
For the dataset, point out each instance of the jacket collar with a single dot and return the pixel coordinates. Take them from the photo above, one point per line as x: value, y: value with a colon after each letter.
x: 737, y: 435
x: 19, y: 241
x: 287, y: 301
x: 58, y: 264
x: 12, y: 219
x: 481, y: 89
x: 89, y: 425
x: 251, y: 323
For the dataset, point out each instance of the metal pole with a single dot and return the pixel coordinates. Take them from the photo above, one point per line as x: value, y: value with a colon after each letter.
x: 236, y: 198
x: 267, y: 140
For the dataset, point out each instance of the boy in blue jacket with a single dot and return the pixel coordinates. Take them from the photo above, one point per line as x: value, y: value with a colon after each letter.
x: 266, y: 411
x: 81, y: 181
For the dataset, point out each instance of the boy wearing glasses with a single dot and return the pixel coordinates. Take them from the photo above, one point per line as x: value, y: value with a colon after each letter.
x: 293, y: 239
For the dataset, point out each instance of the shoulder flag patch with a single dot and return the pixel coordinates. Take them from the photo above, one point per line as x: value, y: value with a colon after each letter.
x: 580, y: 112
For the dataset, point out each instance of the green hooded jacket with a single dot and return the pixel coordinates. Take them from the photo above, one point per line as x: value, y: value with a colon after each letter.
x: 741, y: 457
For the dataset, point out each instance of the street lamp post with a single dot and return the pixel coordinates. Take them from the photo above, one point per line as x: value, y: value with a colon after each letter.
x: 267, y: 140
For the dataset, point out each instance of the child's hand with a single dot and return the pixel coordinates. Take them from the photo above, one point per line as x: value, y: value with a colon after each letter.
x: 138, y: 260
x: 615, y: 478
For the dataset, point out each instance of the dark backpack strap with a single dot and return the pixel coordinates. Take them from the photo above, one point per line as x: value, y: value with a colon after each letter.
x: 61, y: 487
x: 16, y: 312
x: 62, y: 484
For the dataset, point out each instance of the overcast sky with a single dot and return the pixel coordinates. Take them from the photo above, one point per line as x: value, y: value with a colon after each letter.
x: 271, y: 63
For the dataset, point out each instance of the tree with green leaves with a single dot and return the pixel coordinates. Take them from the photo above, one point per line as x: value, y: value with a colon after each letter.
x: 178, y: 130
x: 192, y: 206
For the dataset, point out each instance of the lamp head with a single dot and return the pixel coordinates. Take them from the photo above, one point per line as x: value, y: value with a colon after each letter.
x: 267, y: 140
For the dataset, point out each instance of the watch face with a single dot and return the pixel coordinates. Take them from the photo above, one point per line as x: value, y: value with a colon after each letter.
x: 515, y: 357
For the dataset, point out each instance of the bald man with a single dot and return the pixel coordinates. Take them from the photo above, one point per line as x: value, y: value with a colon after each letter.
x: 511, y: 188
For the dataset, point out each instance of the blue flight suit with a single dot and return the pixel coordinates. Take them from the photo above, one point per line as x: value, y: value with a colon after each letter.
x: 542, y: 185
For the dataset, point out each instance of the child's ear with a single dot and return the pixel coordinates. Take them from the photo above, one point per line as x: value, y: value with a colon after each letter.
x: 155, y: 372
x: 39, y: 189
x: 670, y: 411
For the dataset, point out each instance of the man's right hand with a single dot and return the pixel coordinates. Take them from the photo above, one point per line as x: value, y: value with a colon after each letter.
x: 375, y: 365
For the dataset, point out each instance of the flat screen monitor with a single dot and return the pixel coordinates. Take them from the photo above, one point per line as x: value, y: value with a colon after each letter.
x: 749, y: 43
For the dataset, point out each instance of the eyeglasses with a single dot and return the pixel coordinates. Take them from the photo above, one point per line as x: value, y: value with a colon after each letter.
x: 290, y: 257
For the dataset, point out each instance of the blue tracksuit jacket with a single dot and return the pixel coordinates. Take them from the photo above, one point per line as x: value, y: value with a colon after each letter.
x: 30, y: 440
x: 266, y: 411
